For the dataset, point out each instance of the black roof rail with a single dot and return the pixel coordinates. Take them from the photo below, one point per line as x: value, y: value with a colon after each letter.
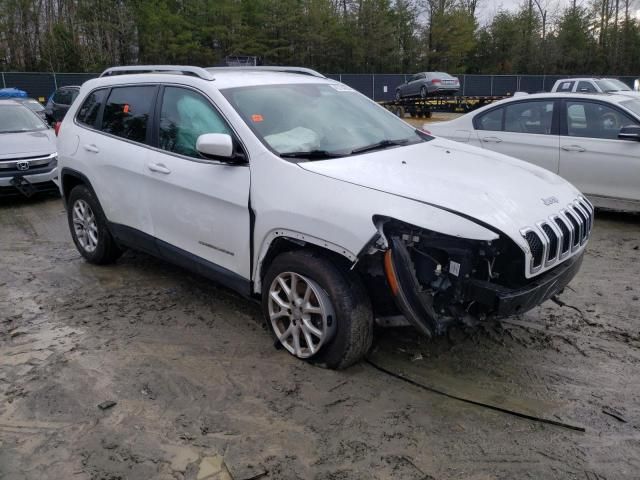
x: 179, y: 69
x: 298, y: 70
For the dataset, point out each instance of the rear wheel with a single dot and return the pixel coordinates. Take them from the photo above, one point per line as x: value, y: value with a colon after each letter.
x: 317, y: 311
x: 398, y: 96
x: 88, y: 227
x: 423, y: 92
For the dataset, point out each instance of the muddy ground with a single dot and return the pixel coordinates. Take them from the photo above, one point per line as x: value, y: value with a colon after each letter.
x: 197, y: 382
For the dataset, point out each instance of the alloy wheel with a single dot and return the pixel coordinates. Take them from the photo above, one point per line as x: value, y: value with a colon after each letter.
x: 85, y: 226
x: 301, y: 314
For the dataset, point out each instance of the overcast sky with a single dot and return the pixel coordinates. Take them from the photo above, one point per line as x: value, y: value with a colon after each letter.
x: 488, y: 8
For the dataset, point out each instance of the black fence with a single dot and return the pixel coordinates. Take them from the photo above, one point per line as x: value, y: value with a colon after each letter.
x: 377, y: 86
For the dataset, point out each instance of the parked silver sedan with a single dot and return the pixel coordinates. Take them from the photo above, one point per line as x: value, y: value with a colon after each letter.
x: 28, y: 158
x: 428, y: 84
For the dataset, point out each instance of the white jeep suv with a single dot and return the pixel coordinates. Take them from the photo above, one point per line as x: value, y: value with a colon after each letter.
x: 293, y: 188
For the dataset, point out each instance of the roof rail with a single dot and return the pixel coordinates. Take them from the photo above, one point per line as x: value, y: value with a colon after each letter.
x: 184, y: 70
x: 299, y: 70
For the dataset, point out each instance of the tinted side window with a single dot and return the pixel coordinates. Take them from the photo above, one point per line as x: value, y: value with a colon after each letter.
x: 63, y: 97
x: 126, y: 113
x: 529, y: 117
x: 184, y: 116
x: 491, y: 120
x: 595, y: 120
x: 88, y: 112
x: 586, y: 87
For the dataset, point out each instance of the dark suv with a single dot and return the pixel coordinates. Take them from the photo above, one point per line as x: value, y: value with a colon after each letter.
x: 59, y: 103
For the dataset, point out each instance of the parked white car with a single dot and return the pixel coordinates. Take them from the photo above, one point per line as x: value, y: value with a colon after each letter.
x: 591, y: 140
x: 28, y: 159
x: 594, y: 85
x: 294, y: 188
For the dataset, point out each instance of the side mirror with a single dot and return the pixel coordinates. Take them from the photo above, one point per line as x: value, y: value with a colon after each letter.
x: 631, y: 132
x: 218, y: 146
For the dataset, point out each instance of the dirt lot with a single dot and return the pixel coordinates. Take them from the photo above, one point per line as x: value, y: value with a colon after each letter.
x: 197, y: 381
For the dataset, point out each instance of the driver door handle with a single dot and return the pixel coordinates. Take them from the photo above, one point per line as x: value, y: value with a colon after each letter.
x: 573, y: 148
x: 158, y: 168
x: 491, y: 139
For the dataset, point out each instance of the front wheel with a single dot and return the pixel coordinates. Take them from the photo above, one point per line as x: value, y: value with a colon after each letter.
x: 398, y: 96
x: 423, y: 92
x: 317, y: 311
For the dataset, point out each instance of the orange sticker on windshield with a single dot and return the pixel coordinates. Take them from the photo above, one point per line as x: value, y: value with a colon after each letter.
x: 125, y: 109
x: 256, y: 117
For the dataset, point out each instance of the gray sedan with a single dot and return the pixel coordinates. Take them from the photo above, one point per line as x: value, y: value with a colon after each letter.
x: 428, y: 84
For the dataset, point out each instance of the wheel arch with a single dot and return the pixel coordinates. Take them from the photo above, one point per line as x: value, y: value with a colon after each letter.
x: 69, y: 179
x: 282, y: 240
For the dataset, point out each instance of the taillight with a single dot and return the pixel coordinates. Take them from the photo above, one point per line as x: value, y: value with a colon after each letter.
x: 56, y: 128
x: 435, y: 81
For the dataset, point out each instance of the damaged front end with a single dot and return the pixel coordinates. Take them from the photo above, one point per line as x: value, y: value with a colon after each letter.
x: 437, y: 280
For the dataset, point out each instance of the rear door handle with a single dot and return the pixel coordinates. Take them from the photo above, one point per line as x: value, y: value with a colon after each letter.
x: 91, y: 148
x: 491, y: 139
x: 158, y: 168
x: 573, y: 148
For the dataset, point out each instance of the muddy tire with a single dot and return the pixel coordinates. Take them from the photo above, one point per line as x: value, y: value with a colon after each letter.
x: 89, y: 229
x: 341, y: 329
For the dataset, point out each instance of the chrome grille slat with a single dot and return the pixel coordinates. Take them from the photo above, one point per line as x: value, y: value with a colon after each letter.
x: 559, y: 236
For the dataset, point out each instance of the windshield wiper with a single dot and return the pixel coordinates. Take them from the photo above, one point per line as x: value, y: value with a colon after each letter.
x: 312, y: 154
x: 380, y: 145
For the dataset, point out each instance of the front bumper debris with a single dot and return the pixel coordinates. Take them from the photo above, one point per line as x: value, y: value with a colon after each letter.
x: 437, y: 282
x: 504, y: 301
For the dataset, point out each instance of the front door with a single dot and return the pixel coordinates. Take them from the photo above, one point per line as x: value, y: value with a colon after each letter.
x: 199, y: 207
x: 593, y: 158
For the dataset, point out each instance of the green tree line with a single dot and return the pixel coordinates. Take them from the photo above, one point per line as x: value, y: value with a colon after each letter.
x: 354, y: 36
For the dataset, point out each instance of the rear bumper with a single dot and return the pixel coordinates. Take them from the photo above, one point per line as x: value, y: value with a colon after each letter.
x: 504, y: 301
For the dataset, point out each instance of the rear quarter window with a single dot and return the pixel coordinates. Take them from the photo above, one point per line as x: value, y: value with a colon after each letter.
x: 88, y: 112
x: 127, y: 112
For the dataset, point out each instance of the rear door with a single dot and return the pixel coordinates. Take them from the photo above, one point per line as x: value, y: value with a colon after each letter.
x: 527, y: 130
x: 591, y: 155
x: 198, y: 205
x: 113, y: 144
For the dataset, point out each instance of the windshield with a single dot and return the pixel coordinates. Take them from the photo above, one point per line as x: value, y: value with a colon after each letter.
x: 33, y: 105
x: 611, y: 85
x: 319, y: 120
x: 633, y: 105
x: 16, y: 118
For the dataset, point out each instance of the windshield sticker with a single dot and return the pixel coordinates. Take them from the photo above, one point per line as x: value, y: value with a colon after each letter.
x: 341, y: 87
x: 256, y: 117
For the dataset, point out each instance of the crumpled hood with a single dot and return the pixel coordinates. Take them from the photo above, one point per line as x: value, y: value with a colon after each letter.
x: 496, y: 189
x: 27, y: 144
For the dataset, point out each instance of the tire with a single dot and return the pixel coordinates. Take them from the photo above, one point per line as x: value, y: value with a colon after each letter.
x: 349, y: 324
x: 92, y: 237
x: 398, y: 96
x: 423, y: 92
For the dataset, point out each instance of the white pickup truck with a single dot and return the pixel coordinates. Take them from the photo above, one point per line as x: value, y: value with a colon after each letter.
x: 594, y: 85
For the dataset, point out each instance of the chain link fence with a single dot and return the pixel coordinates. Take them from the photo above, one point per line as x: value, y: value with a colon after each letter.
x: 378, y: 86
